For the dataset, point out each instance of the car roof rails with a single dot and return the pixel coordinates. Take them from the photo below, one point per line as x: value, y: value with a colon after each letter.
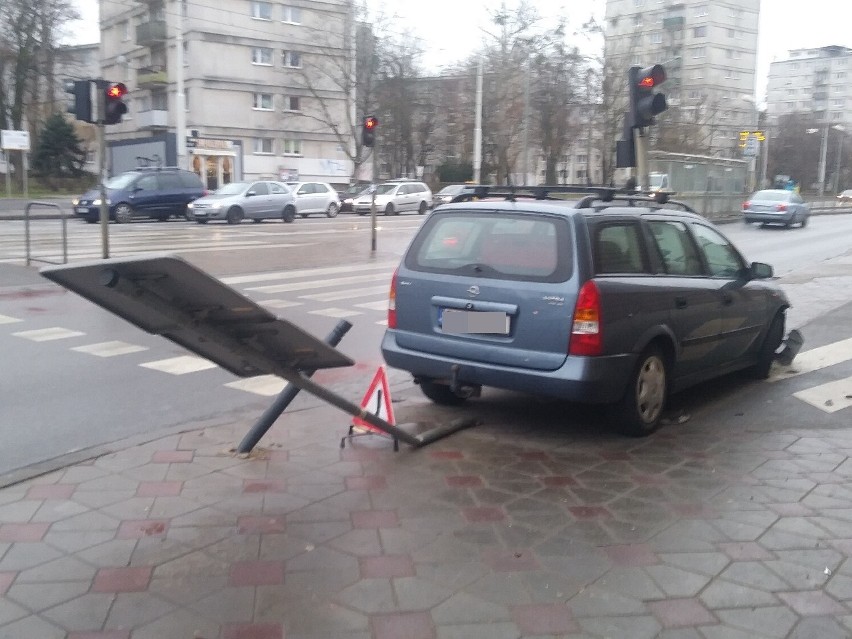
x: 156, y: 168
x: 604, y: 194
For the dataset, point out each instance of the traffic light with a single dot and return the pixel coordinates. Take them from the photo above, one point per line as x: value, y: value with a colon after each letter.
x: 368, y: 130
x: 81, y: 108
x: 645, y: 102
x: 114, y: 106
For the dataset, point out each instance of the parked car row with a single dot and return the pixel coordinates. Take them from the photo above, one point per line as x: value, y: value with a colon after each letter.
x: 164, y: 192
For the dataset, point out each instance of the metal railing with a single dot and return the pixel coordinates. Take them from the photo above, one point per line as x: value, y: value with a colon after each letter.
x: 62, y: 216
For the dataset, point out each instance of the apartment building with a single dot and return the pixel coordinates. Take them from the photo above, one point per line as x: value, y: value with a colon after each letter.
x: 813, y: 81
x: 709, y: 50
x: 265, y: 86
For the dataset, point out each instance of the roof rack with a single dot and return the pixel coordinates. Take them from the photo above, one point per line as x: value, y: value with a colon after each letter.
x: 592, y: 194
x: 155, y: 168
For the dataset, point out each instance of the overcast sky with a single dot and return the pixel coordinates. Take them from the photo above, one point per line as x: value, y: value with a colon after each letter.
x: 451, y: 29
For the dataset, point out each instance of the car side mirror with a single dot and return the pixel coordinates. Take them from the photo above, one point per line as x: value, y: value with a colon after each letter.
x: 250, y: 193
x: 761, y: 271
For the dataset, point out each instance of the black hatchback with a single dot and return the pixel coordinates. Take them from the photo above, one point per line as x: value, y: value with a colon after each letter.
x: 614, y: 299
x: 157, y: 193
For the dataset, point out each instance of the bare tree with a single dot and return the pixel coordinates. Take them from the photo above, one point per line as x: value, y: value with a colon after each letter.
x: 28, y: 33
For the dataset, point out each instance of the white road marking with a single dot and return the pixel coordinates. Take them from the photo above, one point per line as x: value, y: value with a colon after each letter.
x: 110, y: 349
x: 180, y: 365
x: 300, y: 286
x: 266, y: 385
x: 6, y: 319
x: 830, y: 397
x: 815, y: 359
x: 48, y: 334
x: 336, y: 312
x: 278, y: 303
x: 345, y: 295
x: 381, y: 305
x: 308, y: 272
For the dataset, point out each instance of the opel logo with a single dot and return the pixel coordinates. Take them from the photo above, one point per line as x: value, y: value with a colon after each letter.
x: 473, y: 290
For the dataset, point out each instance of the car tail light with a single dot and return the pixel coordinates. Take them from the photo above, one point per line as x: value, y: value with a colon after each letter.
x: 392, y: 301
x: 781, y: 207
x: 746, y: 205
x: 586, y: 335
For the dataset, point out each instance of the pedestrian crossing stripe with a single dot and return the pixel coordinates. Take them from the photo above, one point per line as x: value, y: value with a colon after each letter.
x: 815, y: 359
x: 180, y: 365
x: 48, y: 334
x: 110, y: 349
x: 830, y: 397
x: 266, y: 385
x: 6, y: 319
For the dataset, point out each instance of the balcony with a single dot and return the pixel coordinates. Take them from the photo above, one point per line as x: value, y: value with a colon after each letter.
x: 672, y: 23
x: 151, y: 77
x: 153, y: 119
x: 150, y: 33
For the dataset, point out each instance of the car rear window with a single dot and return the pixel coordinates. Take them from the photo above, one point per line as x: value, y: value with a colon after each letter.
x: 505, y: 246
x: 772, y: 196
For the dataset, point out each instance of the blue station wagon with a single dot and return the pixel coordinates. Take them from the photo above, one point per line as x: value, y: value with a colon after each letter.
x: 616, y: 300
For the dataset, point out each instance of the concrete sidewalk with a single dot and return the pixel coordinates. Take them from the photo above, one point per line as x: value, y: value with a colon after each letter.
x: 729, y: 526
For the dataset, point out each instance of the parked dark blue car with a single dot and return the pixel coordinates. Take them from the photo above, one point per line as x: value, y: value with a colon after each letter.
x: 157, y: 193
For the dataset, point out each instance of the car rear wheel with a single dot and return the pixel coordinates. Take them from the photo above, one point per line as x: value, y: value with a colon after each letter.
x: 422, y: 208
x: 123, y: 213
x: 639, y: 412
x: 331, y: 211
x: 202, y: 221
x: 440, y: 393
x: 804, y: 222
x: 235, y: 215
x: 766, y: 355
x: 289, y: 214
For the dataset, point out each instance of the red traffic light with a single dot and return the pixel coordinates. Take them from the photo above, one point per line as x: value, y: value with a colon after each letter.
x: 371, y: 122
x: 116, y: 91
x: 652, y: 76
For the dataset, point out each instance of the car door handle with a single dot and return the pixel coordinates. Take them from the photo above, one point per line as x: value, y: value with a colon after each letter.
x: 680, y: 302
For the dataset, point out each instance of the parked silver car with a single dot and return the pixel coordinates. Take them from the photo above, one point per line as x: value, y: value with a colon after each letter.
x: 776, y: 206
x: 394, y: 197
x: 315, y: 197
x: 238, y: 201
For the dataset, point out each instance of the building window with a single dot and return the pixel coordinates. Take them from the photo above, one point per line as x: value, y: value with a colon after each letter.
x: 261, y: 10
x: 125, y: 30
x: 294, y: 103
x: 582, y: 158
x: 732, y: 33
x: 291, y: 59
x: 293, y: 15
x: 699, y: 52
x: 186, y: 53
x: 698, y: 74
x: 656, y: 38
x: 701, y: 11
x: 839, y: 75
x: 186, y: 99
x: 263, y: 146
x: 261, y: 55
x: 838, y: 104
x: 263, y: 101
x: 699, y: 32
x: 292, y: 147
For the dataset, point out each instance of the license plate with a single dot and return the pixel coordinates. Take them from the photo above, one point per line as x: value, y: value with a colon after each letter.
x: 483, y: 322
x: 82, y: 209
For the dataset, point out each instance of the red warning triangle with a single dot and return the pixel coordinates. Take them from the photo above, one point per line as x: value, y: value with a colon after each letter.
x: 377, y: 400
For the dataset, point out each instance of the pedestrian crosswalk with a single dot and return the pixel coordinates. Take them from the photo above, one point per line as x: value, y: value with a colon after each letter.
x: 362, y: 291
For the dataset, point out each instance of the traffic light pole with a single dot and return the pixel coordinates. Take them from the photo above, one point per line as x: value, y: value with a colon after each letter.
x: 104, y: 213
x: 373, y: 203
x: 640, y: 143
